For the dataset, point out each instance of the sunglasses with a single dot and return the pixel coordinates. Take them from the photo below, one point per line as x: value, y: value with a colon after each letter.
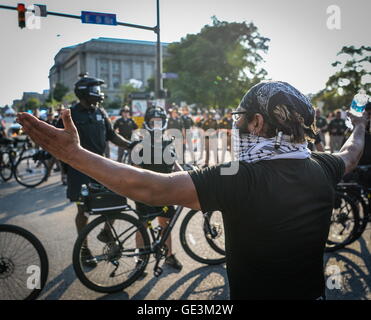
x: 237, y: 115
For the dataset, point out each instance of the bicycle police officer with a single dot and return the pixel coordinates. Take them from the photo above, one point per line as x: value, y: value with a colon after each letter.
x: 94, y: 128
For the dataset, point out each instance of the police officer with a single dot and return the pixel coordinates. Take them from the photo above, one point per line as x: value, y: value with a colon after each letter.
x: 94, y: 128
x: 125, y: 127
x: 225, y: 126
x: 211, y: 136
x: 174, y: 121
x: 155, y: 119
x: 188, y: 124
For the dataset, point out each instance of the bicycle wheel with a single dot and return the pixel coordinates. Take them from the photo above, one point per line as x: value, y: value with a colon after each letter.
x: 30, y: 173
x: 198, y: 242
x: 6, y: 171
x: 24, y: 264
x: 119, y: 260
x: 344, y: 223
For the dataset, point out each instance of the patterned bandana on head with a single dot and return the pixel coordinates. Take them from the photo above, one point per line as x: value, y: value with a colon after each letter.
x: 276, y: 101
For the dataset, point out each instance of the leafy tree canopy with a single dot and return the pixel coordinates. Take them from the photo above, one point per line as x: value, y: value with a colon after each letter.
x: 353, y: 73
x: 217, y: 65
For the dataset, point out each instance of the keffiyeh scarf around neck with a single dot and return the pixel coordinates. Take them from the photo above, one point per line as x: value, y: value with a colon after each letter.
x: 251, y: 148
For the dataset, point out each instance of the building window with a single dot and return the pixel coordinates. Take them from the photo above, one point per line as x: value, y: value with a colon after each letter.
x: 116, y: 74
x: 116, y: 81
x: 137, y: 72
x: 127, y: 70
x: 103, y: 65
x: 116, y: 67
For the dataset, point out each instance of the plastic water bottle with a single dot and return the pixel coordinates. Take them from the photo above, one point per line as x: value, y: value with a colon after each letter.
x: 359, y: 103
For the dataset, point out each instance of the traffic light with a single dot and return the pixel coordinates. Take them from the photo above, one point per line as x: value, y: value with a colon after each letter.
x: 21, y: 8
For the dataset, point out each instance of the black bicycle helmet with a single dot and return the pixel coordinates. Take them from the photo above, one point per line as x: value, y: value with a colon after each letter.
x: 155, y: 112
x: 88, y: 88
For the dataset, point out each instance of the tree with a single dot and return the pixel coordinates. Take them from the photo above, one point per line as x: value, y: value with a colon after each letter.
x: 69, y: 98
x: 127, y: 89
x: 216, y: 66
x: 59, y: 92
x: 352, y: 74
x: 33, y: 104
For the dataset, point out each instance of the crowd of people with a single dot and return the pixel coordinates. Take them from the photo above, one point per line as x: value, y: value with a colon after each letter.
x: 276, y: 212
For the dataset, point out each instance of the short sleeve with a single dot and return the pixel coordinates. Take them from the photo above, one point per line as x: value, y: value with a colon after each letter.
x: 217, y: 191
x: 333, y: 166
x: 116, y: 124
x: 109, y: 129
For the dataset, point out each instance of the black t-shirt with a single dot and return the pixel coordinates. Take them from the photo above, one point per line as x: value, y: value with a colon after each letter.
x: 337, y: 127
x: 94, y: 128
x: 175, y: 123
x: 187, y: 121
x: 125, y: 126
x: 276, y: 217
x: 321, y: 122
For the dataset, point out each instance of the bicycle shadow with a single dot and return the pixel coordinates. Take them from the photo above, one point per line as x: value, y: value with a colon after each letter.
x: 55, y: 288
x: 356, y: 282
x: 197, y: 276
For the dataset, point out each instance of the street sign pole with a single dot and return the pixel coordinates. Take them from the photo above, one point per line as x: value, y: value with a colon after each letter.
x: 110, y: 19
x: 158, y: 82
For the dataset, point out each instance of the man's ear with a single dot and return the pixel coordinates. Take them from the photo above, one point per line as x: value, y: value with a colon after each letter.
x: 259, y: 123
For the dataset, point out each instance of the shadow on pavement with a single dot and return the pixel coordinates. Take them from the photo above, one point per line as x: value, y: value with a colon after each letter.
x: 59, y: 285
x: 356, y: 280
x: 199, y: 275
x: 51, y: 198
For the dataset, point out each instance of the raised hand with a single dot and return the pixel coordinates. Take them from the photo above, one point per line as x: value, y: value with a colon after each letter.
x: 61, y: 143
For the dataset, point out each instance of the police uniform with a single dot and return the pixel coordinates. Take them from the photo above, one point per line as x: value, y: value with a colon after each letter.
x: 125, y: 127
x: 175, y: 123
x: 226, y: 124
x: 94, y: 128
x: 167, y: 152
x: 210, y: 138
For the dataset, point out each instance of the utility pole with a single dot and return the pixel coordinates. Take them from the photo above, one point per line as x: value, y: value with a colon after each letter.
x: 158, y: 81
x: 159, y: 90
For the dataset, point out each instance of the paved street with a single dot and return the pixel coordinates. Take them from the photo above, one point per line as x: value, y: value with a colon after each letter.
x: 46, y: 212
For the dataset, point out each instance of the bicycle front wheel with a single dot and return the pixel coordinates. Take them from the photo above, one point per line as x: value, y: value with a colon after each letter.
x: 30, y: 173
x: 24, y: 264
x: 202, y: 236
x: 344, y: 223
x: 111, y: 252
x: 6, y: 171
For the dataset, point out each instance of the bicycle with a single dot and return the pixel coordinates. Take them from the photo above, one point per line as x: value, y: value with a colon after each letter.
x: 24, y: 264
x: 27, y: 166
x: 120, y: 259
x: 356, y: 195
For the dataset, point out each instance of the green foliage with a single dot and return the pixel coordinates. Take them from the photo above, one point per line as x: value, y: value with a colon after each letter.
x: 69, y: 98
x: 32, y: 104
x: 126, y: 89
x: 59, y: 92
x: 217, y: 65
x: 351, y: 75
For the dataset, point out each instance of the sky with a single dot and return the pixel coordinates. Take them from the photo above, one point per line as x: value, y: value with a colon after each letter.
x: 301, y: 49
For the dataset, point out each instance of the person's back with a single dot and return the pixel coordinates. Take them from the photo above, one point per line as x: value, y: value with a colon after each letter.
x: 280, y: 241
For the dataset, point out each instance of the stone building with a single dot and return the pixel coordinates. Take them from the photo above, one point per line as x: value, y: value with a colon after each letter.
x: 116, y: 61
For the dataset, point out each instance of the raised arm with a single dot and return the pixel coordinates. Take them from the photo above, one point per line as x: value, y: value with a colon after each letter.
x: 352, y: 150
x: 138, y: 184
